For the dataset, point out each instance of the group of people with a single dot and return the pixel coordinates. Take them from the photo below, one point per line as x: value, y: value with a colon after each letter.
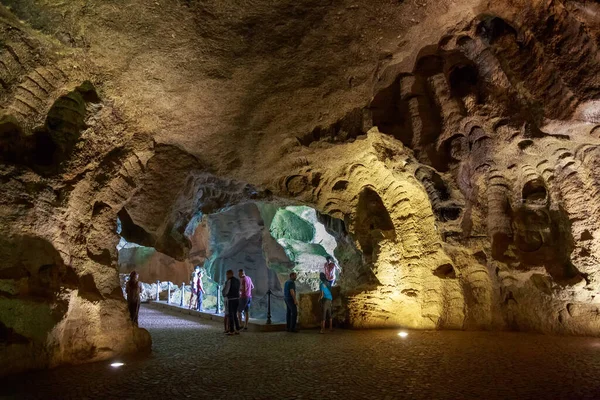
x: 197, y: 289
x: 237, y: 295
x: 326, y: 281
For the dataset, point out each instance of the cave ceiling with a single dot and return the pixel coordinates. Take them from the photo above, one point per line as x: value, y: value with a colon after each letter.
x: 223, y: 79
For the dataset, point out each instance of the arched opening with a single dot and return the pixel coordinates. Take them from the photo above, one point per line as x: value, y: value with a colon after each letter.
x: 267, y: 240
x: 373, y: 222
x: 534, y: 192
x: 429, y: 62
x: 390, y: 112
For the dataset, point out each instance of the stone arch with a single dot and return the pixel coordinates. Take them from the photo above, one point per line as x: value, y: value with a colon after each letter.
x: 390, y: 109
x: 429, y: 61
x: 373, y: 221
x: 534, y: 192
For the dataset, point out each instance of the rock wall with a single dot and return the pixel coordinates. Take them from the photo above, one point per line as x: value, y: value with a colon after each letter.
x: 489, y: 228
x: 457, y: 142
x: 152, y: 265
x: 60, y: 300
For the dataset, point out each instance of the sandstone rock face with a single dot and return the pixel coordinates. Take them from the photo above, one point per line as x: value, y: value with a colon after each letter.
x: 451, y: 151
x: 153, y: 266
x: 60, y: 297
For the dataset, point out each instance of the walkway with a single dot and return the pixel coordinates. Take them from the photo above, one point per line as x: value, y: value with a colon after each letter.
x: 193, y: 359
x: 258, y: 325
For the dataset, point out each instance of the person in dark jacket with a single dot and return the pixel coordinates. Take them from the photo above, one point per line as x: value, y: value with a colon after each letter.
x: 291, y: 303
x: 133, y: 289
x: 231, y: 292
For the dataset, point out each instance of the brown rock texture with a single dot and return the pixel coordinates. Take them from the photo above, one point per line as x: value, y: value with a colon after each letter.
x: 458, y: 143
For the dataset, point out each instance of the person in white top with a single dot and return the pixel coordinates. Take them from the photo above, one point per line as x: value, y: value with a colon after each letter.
x: 194, y: 283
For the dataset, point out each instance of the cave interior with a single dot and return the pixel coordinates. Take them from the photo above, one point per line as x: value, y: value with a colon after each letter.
x: 446, y: 154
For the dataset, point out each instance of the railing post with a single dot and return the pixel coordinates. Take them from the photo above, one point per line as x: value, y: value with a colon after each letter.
x: 157, y: 290
x: 182, y: 294
x: 269, y: 307
x: 218, y: 299
x: 169, y: 292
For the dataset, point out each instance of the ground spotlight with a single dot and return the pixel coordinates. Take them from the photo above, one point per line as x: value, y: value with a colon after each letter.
x: 403, y: 334
x: 117, y: 364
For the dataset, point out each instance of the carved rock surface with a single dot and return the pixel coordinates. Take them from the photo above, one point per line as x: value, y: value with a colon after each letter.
x: 452, y: 154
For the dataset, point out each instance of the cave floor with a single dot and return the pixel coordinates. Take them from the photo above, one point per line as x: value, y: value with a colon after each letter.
x: 191, y: 358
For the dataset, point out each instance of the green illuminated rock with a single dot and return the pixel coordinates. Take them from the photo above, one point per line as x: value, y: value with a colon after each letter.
x: 289, y: 225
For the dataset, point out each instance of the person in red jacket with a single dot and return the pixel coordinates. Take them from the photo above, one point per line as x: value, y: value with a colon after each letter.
x: 246, y: 287
x: 330, y: 269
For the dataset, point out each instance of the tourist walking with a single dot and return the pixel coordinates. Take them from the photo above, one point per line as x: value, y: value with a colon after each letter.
x: 330, y: 269
x: 326, y: 300
x: 231, y: 291
x: 246, y: 287
x: 200, y: 291
x: 134, y: 290
x: 291, y: 303
x: 194, y: 286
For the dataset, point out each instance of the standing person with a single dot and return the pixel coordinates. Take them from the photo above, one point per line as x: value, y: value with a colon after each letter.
x: 194, y: 285
x: 291, y: 303
x: 200, y: 290
x: 329, y: 269
x: 326, y: 299
x: 233, y: 302
x: 134, y: 290
x: 246, y: 287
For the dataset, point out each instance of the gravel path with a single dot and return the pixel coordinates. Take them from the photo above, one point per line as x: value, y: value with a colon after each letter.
x: 193, y: 359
